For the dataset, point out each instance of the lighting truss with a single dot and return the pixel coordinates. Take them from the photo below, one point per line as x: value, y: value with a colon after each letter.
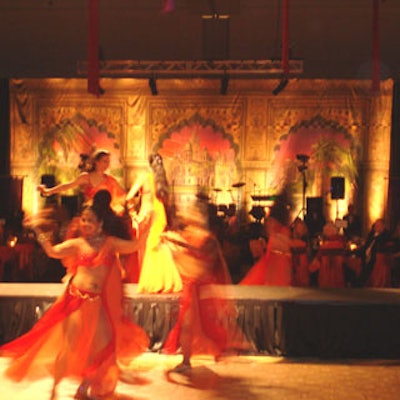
x: 193, y: 69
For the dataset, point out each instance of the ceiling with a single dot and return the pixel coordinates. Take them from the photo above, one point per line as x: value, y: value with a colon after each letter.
x: 333, y: 38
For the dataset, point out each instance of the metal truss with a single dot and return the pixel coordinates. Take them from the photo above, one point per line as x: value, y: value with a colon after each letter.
x: 193, y: 69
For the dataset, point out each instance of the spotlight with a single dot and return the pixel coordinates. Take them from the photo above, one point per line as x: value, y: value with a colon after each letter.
x: 153, y: 86
x: 281, y: 86
x: 224, y: 84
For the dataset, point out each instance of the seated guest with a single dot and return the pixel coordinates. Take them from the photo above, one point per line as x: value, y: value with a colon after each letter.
x: 394, y: 243
x: 353, y: 230
x: 315, y: 222
x: 376, y: 257
x: 330, y: 259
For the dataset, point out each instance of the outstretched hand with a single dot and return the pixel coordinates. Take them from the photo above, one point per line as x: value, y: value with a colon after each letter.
x: 42, y: 189
x: 39, y: 222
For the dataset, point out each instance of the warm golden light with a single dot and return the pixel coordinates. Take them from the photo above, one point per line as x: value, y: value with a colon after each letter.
x: 12, y: 241
x: 353, y: 246
x: 377, y: 192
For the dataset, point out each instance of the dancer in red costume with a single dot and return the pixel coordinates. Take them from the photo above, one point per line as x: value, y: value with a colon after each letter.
x: 158, y: 272
x: 84, y: 333
x: 205, y: 325
x: 93, y: 179
x: 274, y: 268
x: 300, y: 253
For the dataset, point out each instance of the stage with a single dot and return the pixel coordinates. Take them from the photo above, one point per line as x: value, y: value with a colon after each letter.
x: 280, y: 322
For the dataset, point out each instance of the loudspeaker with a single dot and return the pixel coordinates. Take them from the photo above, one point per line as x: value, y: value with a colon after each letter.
x: 337, y: 187
x: 48, y: 180
x: 314, y: 205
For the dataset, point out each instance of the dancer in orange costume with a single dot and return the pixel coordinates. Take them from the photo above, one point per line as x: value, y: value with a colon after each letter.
x: 158, y: 272
x: 205, y: 325
x: 84, y: 333
x: 91, y: 180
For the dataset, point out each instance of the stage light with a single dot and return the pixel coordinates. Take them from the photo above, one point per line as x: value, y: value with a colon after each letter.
x: 281, y: 86
x: 153, y: 86
x: 224, y: 84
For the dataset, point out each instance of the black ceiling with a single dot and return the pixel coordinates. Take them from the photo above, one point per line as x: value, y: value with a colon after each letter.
x: 47, y: 38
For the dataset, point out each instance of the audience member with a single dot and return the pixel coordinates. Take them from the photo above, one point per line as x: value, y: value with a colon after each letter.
x: 353, y: 230
x: 375, y: 257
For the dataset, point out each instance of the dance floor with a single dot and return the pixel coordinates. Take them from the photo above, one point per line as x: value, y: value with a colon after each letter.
x: 239, y: 377
x: 311, y: 344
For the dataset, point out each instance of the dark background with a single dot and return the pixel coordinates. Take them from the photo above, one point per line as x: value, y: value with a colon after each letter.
x: 46, y: 38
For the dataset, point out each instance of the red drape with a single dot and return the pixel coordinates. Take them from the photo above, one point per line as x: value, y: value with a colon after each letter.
x: 169, y: 5
x: 93, y: 72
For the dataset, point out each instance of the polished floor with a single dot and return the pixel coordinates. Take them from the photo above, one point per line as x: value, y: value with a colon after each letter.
x: 239, y: 377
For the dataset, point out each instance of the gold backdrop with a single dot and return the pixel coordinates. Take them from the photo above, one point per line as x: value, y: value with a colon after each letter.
x: 216, y: 141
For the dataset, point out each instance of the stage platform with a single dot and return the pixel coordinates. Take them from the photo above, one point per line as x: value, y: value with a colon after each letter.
x: 284, y: 321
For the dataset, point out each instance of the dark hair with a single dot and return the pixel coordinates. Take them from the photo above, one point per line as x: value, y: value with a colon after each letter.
x: 160, y: 177
x: 96, y: 156
x: 102, y: 199
x: 280, y: 210
x: 112, y: 223
x: 161, y: 184
x: 83, y: 164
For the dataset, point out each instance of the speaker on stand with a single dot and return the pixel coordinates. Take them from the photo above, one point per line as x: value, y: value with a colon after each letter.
x: 49, y: 181
x: 337, y: 191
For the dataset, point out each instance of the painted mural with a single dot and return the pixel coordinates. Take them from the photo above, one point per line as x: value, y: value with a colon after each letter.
x: 210, y: 142
x: 62, y: 145
x: 313, y: 152
x: 199, y: 157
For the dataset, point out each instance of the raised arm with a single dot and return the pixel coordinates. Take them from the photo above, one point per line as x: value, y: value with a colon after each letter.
x: 61, y: 250
x: 124, y: 246
x: 62, y: 187
x: 136, y: 187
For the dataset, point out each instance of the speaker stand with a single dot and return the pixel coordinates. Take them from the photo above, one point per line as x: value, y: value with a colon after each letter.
x: 337, y: 208
x: 303, y: 210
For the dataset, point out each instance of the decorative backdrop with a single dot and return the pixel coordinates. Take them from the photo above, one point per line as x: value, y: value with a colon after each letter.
x: 235, y: 145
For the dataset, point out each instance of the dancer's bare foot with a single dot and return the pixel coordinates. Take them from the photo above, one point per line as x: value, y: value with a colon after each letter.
x: 53, y: 395
x: 81, y: 393
x: 181, y: 368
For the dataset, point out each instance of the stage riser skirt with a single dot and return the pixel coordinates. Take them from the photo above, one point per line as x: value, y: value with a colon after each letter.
x: 282, y: 322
